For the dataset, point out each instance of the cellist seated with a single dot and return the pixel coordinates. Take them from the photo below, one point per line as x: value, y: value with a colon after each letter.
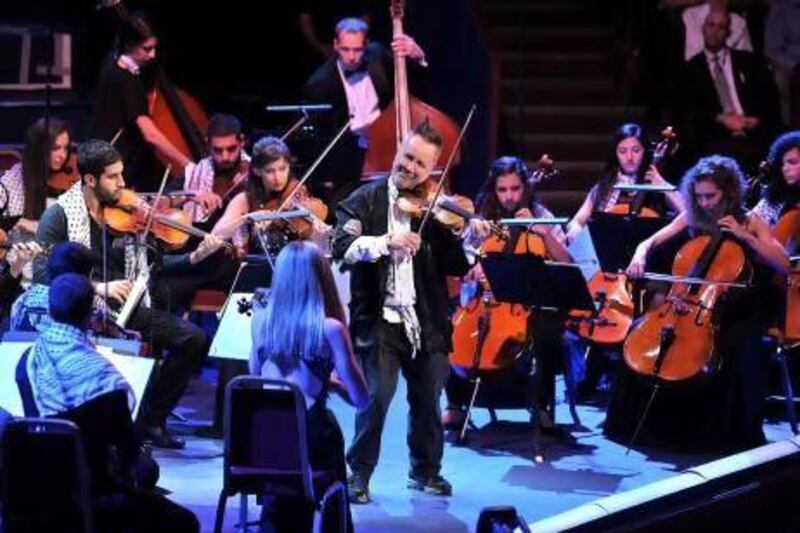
x: 719, y: 406
x: 508, y: 193
x: 270, y: 187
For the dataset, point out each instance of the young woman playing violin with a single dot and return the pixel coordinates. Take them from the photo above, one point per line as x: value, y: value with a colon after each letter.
x: 27, y: 185
x: 271, y: 187
x: 629, y: 162
x: 717, y: 410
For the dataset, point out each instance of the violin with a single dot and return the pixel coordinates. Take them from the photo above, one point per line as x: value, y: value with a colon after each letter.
x: 65, y: 177
x: 294, y: 196
x: 667, y: 146
x: 130, y: 214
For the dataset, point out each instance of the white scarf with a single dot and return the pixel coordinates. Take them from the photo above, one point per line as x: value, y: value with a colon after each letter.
x: 400, y: 292
x: 79, y: 229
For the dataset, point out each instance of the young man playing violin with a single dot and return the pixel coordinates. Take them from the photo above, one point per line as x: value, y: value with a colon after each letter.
x: 78, y: 216
x: 122, y: 110
x: 268, y: 187
x: 215, y: 179
x: 721, y: 410
x: 398, y: 310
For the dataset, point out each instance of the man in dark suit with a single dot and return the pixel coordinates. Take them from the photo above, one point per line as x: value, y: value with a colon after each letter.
x: 357, y: 82
x: 728, y: 98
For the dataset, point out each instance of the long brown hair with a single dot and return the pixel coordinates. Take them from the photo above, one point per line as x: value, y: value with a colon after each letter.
x: 36, y: 163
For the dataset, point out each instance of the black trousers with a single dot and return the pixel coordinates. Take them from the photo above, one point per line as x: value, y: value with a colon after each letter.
x: 184, y: 346
x: 425, y: 375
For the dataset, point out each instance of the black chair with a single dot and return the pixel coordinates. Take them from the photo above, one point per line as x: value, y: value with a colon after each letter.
x: 24, y: 386
x: 266, y: 451
x: 45, y: 478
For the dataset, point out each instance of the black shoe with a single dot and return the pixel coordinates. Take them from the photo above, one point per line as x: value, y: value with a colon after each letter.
x: 358, y: 488
x: 436, y: 485
x: 159, y: 436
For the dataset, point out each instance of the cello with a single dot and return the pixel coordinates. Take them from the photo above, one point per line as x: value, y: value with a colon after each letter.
x: 614, y: 307
x: 403, y: 113
x: 787, y: 233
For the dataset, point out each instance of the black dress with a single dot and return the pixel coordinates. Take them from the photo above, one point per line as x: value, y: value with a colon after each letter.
x: 719, y: 412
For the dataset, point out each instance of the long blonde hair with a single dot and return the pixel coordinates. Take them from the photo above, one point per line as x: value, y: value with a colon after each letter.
x: 292, y: 324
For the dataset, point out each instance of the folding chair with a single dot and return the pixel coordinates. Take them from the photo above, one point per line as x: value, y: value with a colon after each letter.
x: 266, y: 451
x: 45, y: 477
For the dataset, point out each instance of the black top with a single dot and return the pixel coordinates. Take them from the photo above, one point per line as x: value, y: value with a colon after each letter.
x: 440, y: 255
x: 53, y: 230
x: 121, y: 98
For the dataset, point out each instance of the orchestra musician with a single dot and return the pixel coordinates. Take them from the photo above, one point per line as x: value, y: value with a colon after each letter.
x: 510, y: 193
x: 721, y: 410
x: 269, y: 185
x: 629, y: 162
x: 398, y: 310
x: 783, y: 189
x: 77, y: 216
x: 122, y: 105
x: 357, y: 83
x: 25, y: 185
x: 215, y: 179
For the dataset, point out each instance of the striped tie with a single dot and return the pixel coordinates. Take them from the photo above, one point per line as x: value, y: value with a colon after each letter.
x: 723, y: 89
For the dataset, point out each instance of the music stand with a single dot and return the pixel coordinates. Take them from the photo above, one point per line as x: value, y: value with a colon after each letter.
x: 529, y: 280
x: 544, y: 286
x: 616, y: 237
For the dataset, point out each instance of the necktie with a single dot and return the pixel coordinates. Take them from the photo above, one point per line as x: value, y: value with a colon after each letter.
x: 721, y: 84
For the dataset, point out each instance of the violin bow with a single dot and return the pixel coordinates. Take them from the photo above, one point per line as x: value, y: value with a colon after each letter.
x: 314, y: 166
x: 446, y: 168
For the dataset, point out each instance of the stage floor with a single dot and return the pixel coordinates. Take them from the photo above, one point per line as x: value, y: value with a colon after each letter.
x: 494, y: 468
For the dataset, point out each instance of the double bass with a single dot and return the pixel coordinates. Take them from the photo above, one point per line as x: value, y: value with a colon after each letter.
x: 403, y: 113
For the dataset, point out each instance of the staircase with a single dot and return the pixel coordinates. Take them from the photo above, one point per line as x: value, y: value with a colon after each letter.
x: 557, y: 93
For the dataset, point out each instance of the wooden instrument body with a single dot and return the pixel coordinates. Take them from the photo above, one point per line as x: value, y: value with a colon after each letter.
x: 687, y: 315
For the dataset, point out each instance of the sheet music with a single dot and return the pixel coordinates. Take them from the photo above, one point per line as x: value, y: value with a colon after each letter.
x: 584, y: 254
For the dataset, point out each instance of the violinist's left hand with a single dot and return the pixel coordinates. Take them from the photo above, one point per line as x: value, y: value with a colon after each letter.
x: 209, y: 245
x: 406, y: 46
x: 523, y: 213
x: 730, y: 225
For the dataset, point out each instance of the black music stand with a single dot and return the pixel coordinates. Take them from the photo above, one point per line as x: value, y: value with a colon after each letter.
x: 547, y: 287
x: 616, y: 237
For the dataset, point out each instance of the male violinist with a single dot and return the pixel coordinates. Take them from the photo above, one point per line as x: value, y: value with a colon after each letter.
x: 398, y: 309
x: 215, y: 179
x: 122, y: 105
x: 357, y: 82
x: 722, y: 412
x: 78, y: 216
